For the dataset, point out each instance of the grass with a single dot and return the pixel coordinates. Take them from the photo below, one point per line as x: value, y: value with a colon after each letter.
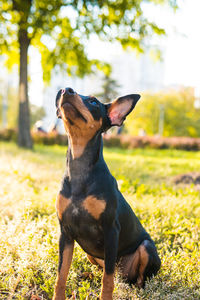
x: 29, y: 228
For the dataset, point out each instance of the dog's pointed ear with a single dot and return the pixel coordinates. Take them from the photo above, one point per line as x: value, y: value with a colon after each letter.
x: 120, y: 108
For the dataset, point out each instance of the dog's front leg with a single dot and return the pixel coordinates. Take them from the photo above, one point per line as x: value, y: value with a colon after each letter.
x: 110, y: 255
x: 65, y: 258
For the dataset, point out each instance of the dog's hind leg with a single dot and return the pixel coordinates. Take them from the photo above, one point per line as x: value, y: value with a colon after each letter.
x: 142, y: 264
x: 65, y: 259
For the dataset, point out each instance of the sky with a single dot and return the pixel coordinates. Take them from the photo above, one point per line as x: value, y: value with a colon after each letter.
x: 182, y: 55
x: 181, y: 48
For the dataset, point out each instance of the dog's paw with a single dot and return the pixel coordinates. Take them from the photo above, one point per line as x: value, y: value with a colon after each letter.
x: 36, y: 297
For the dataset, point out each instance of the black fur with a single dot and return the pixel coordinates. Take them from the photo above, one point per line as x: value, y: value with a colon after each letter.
x: 118, y: 231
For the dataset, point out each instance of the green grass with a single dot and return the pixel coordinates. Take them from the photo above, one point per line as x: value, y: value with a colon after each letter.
x: 29, y: 228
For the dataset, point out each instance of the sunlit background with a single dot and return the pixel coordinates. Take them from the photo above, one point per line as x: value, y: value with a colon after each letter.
x: 176, y: 68
x: 154, y: 156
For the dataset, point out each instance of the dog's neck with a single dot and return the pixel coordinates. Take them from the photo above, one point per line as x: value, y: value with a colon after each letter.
x: 79, y: 168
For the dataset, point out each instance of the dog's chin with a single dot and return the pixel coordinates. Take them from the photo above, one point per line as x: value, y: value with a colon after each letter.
x: 69, y: 110
x: 67, y: 105
x: 73, y: 113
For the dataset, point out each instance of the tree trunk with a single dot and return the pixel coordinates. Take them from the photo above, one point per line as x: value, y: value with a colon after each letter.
x: 24, y: 136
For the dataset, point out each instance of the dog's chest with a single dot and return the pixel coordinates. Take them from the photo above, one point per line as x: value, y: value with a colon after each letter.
x: 82, y: 218
x: 80, y: 212
x: 89, y: 206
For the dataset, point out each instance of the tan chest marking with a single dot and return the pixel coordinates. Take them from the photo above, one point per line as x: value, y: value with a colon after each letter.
x: 94, y: 206
x: 61, y: 204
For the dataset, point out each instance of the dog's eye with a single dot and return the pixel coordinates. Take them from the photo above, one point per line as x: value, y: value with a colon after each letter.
x: 93, y: 102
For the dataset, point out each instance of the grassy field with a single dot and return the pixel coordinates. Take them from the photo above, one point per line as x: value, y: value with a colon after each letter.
x: 29, y: 228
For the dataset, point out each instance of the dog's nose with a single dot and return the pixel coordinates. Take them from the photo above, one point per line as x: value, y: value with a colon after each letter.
x: 69, y: 91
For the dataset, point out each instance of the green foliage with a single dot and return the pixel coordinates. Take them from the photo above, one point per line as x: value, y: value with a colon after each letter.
x: 60, y: 30
x: 180, y: 116
x: 27, y: 214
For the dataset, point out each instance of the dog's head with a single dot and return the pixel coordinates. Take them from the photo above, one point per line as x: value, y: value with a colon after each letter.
x: 88, y: 112
x: 85, y: 116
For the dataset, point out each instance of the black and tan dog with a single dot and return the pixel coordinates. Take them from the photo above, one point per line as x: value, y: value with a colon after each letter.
x: 90, y: 208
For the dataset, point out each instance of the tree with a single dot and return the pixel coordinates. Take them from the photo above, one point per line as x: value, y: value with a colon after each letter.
x: 59, y: 30
x: 36, y: 113
x: 109, y: 89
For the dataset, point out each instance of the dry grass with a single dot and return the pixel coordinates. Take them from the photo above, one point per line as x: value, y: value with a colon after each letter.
x: 29, y: 228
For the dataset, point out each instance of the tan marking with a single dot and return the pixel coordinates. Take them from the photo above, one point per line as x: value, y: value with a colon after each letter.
x: 59, y: 293
x: 144, y: 258
x: 80, y: 139
x: 100, y: 262
x: 92, y: 259
x: 129, y: 265
x: 96, y: 261
x: 80, y: 133
x: 134, y: 265
x: 107, y: 286
x: 61, y: 204
x: 94, y: 206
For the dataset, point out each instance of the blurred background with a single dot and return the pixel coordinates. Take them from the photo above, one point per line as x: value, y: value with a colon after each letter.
x: 105, y: 49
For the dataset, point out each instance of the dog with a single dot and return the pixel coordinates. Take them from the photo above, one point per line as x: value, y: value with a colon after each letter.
x: 90, y: 208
